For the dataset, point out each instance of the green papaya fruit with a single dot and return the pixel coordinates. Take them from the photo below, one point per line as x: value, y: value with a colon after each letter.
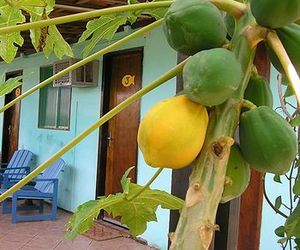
x: 194, y: 25
x: 211, y: 76
x: 259, y: 92
x: 290, y: 38
x: 268, y: 142
x: 275, y: 13
x: 237, y: 175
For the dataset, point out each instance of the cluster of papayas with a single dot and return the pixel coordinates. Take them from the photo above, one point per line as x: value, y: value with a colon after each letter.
x: 211, y: 76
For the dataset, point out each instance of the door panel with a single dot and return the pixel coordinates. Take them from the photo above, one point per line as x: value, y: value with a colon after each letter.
x: 11, y: 123
x: 123, y: 73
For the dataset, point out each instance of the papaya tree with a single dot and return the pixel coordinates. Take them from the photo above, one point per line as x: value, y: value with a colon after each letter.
x: 223, y: 93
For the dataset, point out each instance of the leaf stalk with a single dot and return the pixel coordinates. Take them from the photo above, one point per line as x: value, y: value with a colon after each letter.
x: 275, y: 43
x: 82, y: 16
x: 157, y: 173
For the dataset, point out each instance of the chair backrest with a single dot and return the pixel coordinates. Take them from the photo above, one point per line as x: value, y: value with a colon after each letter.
x: 51, y: 172
x: 20, y: 158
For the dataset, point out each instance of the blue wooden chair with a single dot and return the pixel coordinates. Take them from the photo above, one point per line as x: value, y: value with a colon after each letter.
x: 17, y: 167
x: 46, y: 188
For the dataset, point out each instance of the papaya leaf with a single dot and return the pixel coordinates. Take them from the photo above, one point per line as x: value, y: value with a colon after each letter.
x: 277, y: 178
x: 157, y: 13
x: 9, y: 42
x: 292, y: 224
x: 136, y: 213
x: 47, y: 39
x: 295, y: 121
x: 9, y: 85
x: 279, y: 231
x: 278, y: 202
x: 103, y: 28
x: 34, y: 6
x: 83, y: 218
x: 296, y: 187
x: 55, y: 42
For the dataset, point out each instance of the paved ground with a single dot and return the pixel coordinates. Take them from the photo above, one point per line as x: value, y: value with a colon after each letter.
x: 48, y: 235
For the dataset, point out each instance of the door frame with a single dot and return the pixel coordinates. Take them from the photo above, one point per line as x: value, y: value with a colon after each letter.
x: 13, y: 73
x: 104, y: 106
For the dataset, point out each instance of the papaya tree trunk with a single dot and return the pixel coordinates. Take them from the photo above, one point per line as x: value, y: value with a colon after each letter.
x: 196, y: 225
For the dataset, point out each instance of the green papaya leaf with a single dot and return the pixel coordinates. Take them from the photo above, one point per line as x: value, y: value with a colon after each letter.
x: 277, y: 178
x: 135, y: 213
x: 46, y: 39
x: 9, y: 42
x: 9, y: 85
x: 83, y: 218
x: 279, y: 231
x: 103, y: 28
x: 278, y: 202
x: 295, y: 121
x: 56, y: 43
x: 292, y: 224
x: 296, y: 187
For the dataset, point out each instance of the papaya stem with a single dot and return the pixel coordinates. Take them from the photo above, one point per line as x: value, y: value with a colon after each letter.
x: 234, y: 8
x: 247, y: 104
x: 157, y: 173
x: 159, y: 81
x: 275, y: 43
x: 83, y: 62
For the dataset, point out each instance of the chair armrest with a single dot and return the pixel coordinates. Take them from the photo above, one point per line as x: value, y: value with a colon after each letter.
x: 3, y: 169
x: 45, y: 179
x: 27, y: 170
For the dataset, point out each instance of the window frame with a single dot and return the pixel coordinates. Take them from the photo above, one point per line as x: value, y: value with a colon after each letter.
x: 56, y: 127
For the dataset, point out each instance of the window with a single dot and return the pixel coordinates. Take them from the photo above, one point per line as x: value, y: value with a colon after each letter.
x: 55, y: 104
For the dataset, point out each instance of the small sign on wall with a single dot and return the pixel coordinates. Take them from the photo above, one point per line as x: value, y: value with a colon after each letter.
x: 128, y: 80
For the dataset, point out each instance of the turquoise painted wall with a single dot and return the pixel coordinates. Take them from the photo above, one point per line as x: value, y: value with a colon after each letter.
x: 78, y: 182
x: 270, y: 220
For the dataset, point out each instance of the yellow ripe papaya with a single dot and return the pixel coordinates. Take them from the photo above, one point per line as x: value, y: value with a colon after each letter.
x: 172, y: 132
